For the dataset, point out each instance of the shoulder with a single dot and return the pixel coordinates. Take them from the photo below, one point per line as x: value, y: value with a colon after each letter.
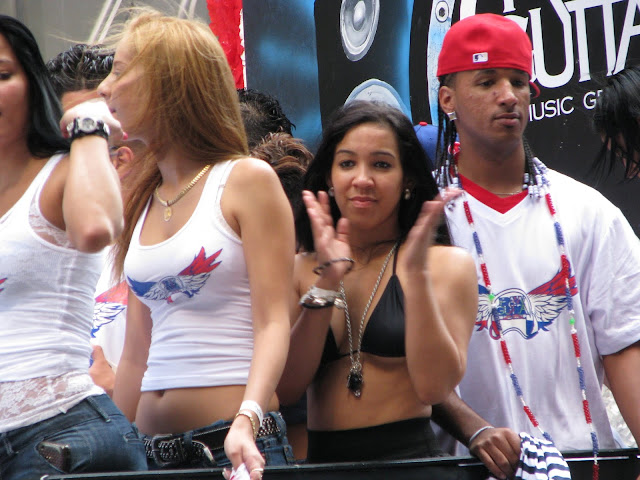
x: 254, y: 184
x: 446, y: 255
x: 249, y: 170
x: 577, y: 202
x: 568, y: 188
x: 452, y: 263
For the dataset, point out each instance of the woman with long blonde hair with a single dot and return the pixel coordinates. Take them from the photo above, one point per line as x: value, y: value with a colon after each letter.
x: 207, y: 253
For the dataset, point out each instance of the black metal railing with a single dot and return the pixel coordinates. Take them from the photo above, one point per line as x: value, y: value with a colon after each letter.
x: 614, y: 465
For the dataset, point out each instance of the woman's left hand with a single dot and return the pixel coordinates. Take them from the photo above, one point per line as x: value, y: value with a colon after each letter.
x: 422, y: 234
x: 240, y: 447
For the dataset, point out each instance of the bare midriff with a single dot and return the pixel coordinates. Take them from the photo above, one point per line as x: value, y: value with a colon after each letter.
x: 182, y: 409
x: 387, y: 395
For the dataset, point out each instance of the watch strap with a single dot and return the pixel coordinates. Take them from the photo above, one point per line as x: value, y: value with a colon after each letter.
x: 83, y: 126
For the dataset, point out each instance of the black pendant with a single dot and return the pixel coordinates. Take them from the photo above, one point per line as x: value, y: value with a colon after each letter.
x: 354, y: 380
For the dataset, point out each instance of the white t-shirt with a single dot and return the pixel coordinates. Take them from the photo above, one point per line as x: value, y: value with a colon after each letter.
x: 110, y: 315
x: 523, y: 260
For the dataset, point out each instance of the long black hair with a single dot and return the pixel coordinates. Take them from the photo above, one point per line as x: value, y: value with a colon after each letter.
x: 412, y: 158
x: 43, y: 131
x: 615, y: 117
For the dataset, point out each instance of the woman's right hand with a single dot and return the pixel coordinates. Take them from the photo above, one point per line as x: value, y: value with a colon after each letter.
x: 330, y: 243
x: 98, y: 109
x: 240, y: 448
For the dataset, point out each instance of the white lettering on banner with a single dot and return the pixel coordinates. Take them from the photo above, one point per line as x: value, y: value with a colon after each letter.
x: 551, y: 108
x: 564, y: 10
x: 589, y: 100
x: 560, y: 106
x: 579, y: 7
x: 544, y: 78
x: 628, y: 31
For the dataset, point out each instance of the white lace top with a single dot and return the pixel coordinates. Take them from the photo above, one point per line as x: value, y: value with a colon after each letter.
x: 46, y: 302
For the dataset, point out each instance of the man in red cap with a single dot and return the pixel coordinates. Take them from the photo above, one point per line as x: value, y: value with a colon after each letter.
x: 558, y: 265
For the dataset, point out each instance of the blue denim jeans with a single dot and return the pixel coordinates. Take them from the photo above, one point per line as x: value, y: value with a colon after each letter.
x: 99, y: 438
x: 274, y: 447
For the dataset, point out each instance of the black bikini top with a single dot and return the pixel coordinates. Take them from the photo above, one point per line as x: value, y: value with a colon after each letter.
x: 384, y: 333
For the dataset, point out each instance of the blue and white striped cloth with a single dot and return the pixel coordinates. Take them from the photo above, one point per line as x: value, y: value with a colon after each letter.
x: 540, y: 460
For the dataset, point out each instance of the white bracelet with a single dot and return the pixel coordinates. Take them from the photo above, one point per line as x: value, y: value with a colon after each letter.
x: 478, y: 432
x: 253, y: 407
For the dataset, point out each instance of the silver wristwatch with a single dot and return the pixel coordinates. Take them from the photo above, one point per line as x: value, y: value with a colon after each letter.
x: 83, y: 126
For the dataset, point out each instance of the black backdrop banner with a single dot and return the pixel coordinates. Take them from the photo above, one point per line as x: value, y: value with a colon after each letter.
x: 314, y: 56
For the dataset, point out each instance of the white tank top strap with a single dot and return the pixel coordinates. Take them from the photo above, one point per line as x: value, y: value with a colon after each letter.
x: 221, y: 173
x: 218, y: 178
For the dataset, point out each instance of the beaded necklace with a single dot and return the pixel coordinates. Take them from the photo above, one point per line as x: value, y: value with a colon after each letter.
x: 538, y: 187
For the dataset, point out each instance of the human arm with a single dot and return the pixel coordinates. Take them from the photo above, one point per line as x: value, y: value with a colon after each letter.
x: 440, y: 302
x: 92, y: 203
x: 133, y: 362
x: 497, y: 448
x: 622, y: 371
x: 310, y: 326
x: 265, y: 222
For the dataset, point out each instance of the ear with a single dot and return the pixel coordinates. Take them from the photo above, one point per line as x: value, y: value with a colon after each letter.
x: 410, y: 184
x: 446, y: 98
x: 123, y: 161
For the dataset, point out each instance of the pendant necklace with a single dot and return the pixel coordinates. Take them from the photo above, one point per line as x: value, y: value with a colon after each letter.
x: 168, y: 212
x: 538, y: 188
x: 354, y: 379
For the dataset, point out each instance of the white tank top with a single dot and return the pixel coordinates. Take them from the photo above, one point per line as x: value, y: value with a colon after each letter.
x: 46, y: 305
x: 46, y: 295
x: 197, y: 288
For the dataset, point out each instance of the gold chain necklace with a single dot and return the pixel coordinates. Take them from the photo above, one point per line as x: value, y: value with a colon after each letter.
x: 354, y: 379
x: 168, y: 212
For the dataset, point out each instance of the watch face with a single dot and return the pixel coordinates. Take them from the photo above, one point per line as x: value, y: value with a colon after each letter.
x: 87, y: 125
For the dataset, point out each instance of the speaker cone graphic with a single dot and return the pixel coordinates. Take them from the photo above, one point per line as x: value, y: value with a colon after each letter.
x: 358, y: 25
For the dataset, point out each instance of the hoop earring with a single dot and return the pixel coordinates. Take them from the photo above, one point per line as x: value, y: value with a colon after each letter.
x: 452, y: 116
x: 331, y: 192
x: 407, y: 194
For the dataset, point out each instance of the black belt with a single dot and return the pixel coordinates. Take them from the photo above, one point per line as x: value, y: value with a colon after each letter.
x: 172, y: 449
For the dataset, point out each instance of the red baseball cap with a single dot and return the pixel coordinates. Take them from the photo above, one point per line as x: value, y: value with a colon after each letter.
x: 484, y: 41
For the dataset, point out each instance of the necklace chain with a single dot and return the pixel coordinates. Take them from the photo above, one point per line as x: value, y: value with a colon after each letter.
x: 168, y: 212
x: 537, y: 189
x: 354, y: 379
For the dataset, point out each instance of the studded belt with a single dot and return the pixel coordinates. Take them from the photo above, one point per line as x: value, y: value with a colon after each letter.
x: 174, y: 449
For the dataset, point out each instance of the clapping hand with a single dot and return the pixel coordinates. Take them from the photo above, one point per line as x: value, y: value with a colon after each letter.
x: 329, y: 242
x: 422, y: 234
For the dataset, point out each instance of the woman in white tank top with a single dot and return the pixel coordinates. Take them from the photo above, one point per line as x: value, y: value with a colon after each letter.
x: 207, y: 253
x: 59, y: 207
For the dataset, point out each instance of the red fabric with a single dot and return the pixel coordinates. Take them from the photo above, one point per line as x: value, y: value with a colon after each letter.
x: 225, y: 23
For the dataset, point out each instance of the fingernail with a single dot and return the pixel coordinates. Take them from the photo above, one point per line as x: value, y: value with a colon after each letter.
x: 125, y: 136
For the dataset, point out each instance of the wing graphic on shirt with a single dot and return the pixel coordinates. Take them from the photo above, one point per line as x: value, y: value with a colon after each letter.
x: 188, y: 282
x: 108, y: 306
x: 526, y: 313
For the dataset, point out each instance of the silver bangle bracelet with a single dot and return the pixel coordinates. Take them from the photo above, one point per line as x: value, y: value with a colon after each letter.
x: 319, y: 268
x: 478, y: 432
